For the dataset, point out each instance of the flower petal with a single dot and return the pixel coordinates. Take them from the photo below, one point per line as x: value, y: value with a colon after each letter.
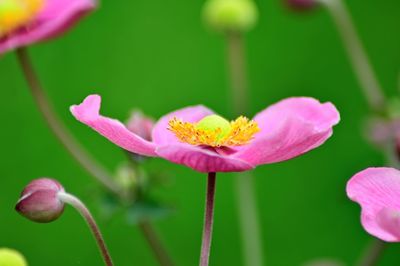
x: 88, y: 113
x: 56, y: 17
x: 389, y: 220
x: 191, y: 114
x: 377, y: 190
x: 201, y: 159
x: 288, y: 129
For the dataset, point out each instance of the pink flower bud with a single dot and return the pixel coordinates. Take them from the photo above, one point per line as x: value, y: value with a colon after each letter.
x: 301, y: 4
x: 39, y: 201
x: 140, y: 124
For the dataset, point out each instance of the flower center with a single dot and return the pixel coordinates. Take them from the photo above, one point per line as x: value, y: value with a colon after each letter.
x: 215, y: 131
x: 17, y: 13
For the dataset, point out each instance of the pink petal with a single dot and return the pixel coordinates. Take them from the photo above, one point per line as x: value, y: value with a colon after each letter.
x: 88, y: 113
x: 289, y: 128
x: 191, y: 114
x: 377, y: 190
x: 389, y: 221
x: 56, y: 17
x: 201, y: 159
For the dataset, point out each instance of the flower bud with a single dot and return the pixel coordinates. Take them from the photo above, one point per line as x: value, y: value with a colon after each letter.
x: 10, y: 257
x: 230, y: 15
x: 140, y: 124
x: 301, y: 5
x: 39, y: 201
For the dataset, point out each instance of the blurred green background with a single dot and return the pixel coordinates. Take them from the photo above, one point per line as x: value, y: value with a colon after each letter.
x: 159, y: 56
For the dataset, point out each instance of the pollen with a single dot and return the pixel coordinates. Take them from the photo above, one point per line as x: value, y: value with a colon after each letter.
x: 16, y: 14
x: 215, y: 131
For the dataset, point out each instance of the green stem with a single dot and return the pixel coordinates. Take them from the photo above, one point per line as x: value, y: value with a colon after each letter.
x: 246, y: 201
x: 357, y: 55
x: 372, y: 253
x: 83, y: 210
x: 248, y: 220
x: 154, y: 242
x: 237, y: 72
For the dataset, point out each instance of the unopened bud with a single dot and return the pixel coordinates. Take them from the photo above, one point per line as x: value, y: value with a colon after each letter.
x: 230, y: 15
x: 10, y: 257
x: 301, y: 5
x: 39, y: 201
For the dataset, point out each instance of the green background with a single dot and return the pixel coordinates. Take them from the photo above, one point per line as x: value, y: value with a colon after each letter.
x: 159, y: 56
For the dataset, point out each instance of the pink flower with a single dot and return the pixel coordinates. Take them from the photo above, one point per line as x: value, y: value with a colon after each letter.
x: 196, y: 137
x: 377, y: 190
x: 140, y: 124
x: 24, y: 22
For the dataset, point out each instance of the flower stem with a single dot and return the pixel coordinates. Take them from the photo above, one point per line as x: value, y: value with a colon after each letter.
x: 372, y: 253
x: 58, y: 128
x: 208, y: 220
x: 64, y: 136
x: 155, y: 244
x: 248, y: 216
x: 81, y: 208
x: 356, y: 52
x: 237, y: 72
x: 251, y: 233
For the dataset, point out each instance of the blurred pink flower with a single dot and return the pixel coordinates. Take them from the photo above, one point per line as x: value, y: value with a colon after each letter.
x: 377, y: 190
x: 140, y: 124
x: 302, y: 4
x: 287, y: 129
x: 24, y: 22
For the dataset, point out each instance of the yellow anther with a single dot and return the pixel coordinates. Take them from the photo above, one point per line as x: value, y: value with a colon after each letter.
x: 238, y: 132
x: 15, y: 14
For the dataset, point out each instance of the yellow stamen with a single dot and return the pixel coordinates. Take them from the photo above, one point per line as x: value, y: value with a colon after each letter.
x: 15, y: 14
x: 241, y: 132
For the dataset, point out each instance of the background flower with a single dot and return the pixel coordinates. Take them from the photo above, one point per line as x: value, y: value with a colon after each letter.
x: 377, y: 190
x: 53, y: 19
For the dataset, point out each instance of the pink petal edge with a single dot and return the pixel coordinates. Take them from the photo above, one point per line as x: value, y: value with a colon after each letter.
x: 115, y: 131
x: 289, y: 128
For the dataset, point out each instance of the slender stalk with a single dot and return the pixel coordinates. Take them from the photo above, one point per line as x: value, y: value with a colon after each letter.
x: 248, y: 216
x: 357, y: 55
x: 372, y: 253
x: 251, y: 233
x: 81, y: 208
x: 208, y: 220
x: 155, y: 244
x: 58, y: 128
x: 237, y: 71
x: 68, y: 141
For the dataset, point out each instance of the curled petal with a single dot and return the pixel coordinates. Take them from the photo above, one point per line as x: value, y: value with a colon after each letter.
x: 88, y: 113
x: 289, y: 128
x: 56, y: 17
x: 191, y: 114
x: 377, y: 190
x: 201, y: 159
